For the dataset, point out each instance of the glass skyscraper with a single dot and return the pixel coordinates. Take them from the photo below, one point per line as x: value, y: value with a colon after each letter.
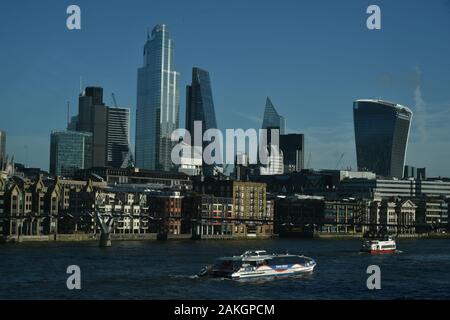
x: 118, y: 137
x: 200, y: 107
x: 158, y: 103
x: 272, y: 119
x: 70, y: 151
x: 381, y: 134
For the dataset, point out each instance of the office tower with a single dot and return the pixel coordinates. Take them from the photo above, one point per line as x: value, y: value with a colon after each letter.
x: 275, y: 162
x: 272, y: 118
x: 381, y: 134
x: 2, y: 144
x: 157, y: 112
x: 69, y: 152
x: 92, y: 117
x: 200, y: 107
x: 110, y: 128
x: 410, y: 172
x: 117, y: 136
x: 293, y: 146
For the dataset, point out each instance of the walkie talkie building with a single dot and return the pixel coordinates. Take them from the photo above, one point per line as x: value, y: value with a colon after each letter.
x: 381, y: 134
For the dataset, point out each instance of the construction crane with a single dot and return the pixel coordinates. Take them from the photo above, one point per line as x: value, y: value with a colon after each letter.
x: 114, y: 99
x: 339, y: 161
x: 309, y: 160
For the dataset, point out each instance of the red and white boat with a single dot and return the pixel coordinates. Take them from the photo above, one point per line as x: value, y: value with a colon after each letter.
x: 375, y: 246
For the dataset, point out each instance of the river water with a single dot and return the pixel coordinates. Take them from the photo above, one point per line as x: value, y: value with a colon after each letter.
x: 166, y: 270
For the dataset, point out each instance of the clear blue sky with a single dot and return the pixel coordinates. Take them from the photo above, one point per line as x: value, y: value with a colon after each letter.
x: 313, y: 58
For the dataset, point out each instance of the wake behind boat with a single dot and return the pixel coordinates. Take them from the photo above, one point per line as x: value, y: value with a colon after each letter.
x: 254, y: 264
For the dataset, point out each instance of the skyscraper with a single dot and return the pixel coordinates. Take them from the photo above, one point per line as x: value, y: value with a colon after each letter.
x: 70, y: 151
x: 381, y: 134
x: 92, y: 117
x: 200, y: 107
x: 158, y: 102
x: 293, y: 146
x: 117, y: 136
x: 2, y: 144
x: 272, y: 118
x: 110, y: 128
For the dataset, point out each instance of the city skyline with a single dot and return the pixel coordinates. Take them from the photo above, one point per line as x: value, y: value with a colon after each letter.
x: 417, y: 82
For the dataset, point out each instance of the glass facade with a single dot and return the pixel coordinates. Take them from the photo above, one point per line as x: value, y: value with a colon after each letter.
x: 381, y: 135
x: 118, y: 137
x: 272, y: 119
x: 200, y: 107
x: 293, y: 146
x: 157, y: 114
x: 70, y: 151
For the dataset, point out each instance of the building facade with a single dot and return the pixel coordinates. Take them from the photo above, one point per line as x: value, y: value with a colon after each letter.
x: 210, y: 216
x: 251, y: 217
x: 117, y: 137
x: 200, y: 107
x: 69, y: 152
x: 157, y: 114
x: 272, y: 119
x: 92, y: 117
x: 381, y: 133
x: 293, y: 148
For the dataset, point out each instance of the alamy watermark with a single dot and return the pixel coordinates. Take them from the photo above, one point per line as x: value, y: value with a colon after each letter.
x: 251, y: 142
x: 374, y: 280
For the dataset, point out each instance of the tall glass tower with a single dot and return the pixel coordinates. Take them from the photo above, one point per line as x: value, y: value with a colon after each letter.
x: 200, y: 107
x: 158, y: 102
x: 272, y: 119
x: 381, y: 134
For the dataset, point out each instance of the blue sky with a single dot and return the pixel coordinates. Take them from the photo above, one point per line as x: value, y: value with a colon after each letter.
x: 313, y: 58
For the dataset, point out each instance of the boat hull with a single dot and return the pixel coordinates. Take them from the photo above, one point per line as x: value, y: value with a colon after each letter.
x: 272, y: 272
x: 379, y: 251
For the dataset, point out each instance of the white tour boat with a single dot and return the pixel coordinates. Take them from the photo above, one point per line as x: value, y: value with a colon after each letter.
x: 254, y: 264
x: 380, y: 245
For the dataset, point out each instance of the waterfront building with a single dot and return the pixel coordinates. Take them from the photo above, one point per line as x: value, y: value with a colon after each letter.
x: 151, y: 179
x: 386, y: 188
x: 118, y: 137
x: 29, y: 208
x: 293, y: 148
x: 69, y: 152
x: 272, y: 119
x: 211, y: 217
x: 432, y: 213
x: 381, y: 133
x: 347, y: 215
x: 249, y: 204
x: 157, y: 114
x: 165, y: 208
x: 307, y: 182
x: 200, y: 107
x: 393, y: 216
x: 299, y: 215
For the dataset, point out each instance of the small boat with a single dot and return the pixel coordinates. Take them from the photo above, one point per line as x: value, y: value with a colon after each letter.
x: 253, y: 264
x: 379, y: 245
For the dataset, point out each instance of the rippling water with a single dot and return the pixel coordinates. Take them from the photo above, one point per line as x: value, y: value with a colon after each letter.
x: 166, y: 270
